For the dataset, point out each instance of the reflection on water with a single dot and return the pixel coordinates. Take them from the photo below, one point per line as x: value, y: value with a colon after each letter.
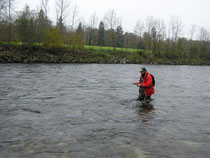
x: 146, y: 114
x: 80, y: 111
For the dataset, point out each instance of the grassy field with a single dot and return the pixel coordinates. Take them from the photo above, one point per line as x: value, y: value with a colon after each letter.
x: 98, y: 48
x: 93, y: 48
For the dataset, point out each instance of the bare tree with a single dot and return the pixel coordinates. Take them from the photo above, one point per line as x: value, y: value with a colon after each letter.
x: 192, y: 31
x: 150, y: 22
x: 6, y: 9
x: 160, y: 29
x: 112, y: 22
x: 75, y: 19
x: 204, y: 35
x: 44, y: 6
x: 62, y: 10
x: 139, y: 28
x: 175, y: 28
x: 10, y: 9
x: 93, y: 20
x: 92, y: 25
x: 3, y: 9
x: 155, y: 31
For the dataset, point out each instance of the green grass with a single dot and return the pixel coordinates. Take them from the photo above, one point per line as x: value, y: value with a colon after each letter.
x: 87, y: 47
x: 98, y: 48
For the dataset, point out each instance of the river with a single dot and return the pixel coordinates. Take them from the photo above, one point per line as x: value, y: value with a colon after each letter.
x: 90, y: 111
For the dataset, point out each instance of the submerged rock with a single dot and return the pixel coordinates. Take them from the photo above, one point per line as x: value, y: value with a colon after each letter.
x: 30, y: 110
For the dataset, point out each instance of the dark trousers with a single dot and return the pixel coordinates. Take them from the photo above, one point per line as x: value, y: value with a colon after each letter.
x: 147, y: 99
x: 142, y: 96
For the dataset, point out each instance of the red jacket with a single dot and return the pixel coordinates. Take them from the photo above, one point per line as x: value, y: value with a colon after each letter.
x: 147, y: 84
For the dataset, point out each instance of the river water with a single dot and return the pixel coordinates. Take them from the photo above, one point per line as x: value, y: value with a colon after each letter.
x: 90, y: 111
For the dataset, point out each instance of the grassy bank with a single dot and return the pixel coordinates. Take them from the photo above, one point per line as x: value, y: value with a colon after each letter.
x: 16, y: 53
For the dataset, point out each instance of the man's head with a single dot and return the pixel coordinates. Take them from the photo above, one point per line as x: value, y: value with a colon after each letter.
x: 143, y: 70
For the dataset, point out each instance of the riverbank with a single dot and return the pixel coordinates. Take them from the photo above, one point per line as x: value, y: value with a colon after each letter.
x: 89, y: 56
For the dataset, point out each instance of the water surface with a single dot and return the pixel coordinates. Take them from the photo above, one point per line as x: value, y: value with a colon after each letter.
x: 89, y: 111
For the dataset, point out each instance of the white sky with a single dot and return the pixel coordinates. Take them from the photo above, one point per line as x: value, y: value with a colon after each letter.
x: 190, y: 11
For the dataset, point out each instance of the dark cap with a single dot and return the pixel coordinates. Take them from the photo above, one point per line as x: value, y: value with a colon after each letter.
x: 143, y: 69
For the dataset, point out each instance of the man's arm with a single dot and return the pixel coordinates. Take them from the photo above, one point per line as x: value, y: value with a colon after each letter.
x: 137, y: 83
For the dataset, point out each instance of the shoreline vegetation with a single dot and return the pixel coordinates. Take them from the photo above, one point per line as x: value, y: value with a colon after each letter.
x: 32, y: 37
x: 38, y: 53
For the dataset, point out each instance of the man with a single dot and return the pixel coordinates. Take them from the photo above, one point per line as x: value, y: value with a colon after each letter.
x: 145, y: 85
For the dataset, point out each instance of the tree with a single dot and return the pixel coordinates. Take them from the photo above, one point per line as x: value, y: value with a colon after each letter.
x: 42, y: 24
x: 139, y: 28
x: 3, y: 9
x: 62, y: 10
x: 138, y: 31
x: 7, y: 28
x: 74, y: 18
x: 44, y: 6
x: 181, y: 47
x: 148, y: 40
x: 80, y: 29
x: 10, y: 8
x: 112, y: 22
x: 7, y: 32
x: 167, y: 48
x: 92, y: 25
x: 160, y: 30
x: 154, y: 39
x: 120, y: 37
x: 26, y: 26
x: 76, y: 41
x: 101, y: 32
x: 175, y: 28
x: 140, y: 45
x: 192, y: 31
x: 130, y: 40
x: 53, y: 39
x: 150, y: 22
x: 204, y: 37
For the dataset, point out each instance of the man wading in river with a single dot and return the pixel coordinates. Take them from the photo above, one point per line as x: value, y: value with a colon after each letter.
x: 145, y: 85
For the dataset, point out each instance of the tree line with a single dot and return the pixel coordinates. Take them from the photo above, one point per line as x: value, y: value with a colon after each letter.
x: 35, y: 27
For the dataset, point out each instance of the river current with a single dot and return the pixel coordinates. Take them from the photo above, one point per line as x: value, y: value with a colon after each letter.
x: 90, y: 111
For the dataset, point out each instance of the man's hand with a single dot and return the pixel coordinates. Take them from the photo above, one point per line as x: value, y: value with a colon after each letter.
x: 135, y: 83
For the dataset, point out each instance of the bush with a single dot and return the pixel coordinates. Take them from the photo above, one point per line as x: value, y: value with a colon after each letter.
x: 53, y: 39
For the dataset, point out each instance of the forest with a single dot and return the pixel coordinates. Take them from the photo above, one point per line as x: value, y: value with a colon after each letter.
x: 152, y: 39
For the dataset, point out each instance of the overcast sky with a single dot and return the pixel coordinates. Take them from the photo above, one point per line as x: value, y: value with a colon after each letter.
x: 190, y: 11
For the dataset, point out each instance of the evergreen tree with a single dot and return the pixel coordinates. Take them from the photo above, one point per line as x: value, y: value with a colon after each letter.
x: 120, y: 37
x: 60, y: 26
x: 76, y: 40
x: 101, y: 34
x: 80, y: 29
x: 42, y: 25
x: 140, y: 45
